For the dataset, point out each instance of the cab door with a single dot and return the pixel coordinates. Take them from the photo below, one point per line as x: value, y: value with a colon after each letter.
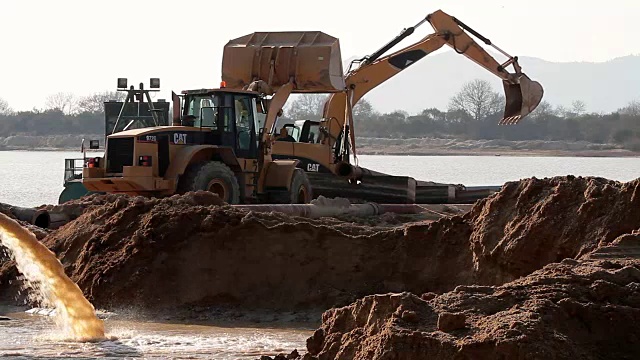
x: 226, y: 124
x: 246, y: 145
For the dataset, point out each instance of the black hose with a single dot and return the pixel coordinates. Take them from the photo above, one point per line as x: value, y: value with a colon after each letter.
x: 469, y: 29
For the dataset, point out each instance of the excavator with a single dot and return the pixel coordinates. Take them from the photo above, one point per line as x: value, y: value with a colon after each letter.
x: 324, y: 147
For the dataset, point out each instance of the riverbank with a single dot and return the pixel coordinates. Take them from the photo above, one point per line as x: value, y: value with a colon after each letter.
x: 47, y: 143
x: 449, y: 147
x: 380, y: 146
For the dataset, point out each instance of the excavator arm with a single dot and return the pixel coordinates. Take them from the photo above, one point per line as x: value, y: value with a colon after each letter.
x: 522, y: 94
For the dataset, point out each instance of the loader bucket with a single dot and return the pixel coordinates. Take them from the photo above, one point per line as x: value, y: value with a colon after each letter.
x: 521, y: 99
x: 312, y: 58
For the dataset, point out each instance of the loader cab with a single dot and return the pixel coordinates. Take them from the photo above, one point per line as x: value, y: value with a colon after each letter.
x: 230, y: 118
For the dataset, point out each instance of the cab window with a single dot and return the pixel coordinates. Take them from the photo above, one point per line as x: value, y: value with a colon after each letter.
x: 244, y: 119
x: 203, y: 108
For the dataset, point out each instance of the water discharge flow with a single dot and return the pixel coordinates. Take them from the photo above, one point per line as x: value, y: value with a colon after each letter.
x: 53, y: 288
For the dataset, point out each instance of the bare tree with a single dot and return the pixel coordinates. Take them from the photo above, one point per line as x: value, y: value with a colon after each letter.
x: 477, y: 99
x: 543, y: 110
x: 307, y: 106
x: 578, y: 107
x: 632, y: 109
x: 4, y: 107
x: 95, y: 102
x: 64, y: 102
x: 561, y: 110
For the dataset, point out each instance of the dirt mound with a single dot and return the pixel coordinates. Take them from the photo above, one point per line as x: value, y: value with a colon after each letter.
x: 534, y: 222
x: 584, y: 309
x: 190, y: 250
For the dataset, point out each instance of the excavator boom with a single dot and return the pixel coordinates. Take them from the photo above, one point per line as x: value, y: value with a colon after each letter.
x: 521, y: 93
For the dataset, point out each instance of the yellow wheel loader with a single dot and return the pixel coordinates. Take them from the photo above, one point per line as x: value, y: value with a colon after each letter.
x: 220, y: 139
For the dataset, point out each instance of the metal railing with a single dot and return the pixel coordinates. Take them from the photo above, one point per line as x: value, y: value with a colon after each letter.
x: 73, y: 169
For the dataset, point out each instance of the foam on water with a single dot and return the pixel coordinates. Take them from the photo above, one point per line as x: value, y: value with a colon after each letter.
x: 30, y: 336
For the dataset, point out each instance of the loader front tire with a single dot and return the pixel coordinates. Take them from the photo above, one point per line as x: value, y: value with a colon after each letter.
x: 212, y: 176
x: 300, y: 191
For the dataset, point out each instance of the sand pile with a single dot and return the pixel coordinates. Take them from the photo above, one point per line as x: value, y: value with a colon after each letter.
x: 586, y: 309
x: 535, y: 222
x: 189, y: 250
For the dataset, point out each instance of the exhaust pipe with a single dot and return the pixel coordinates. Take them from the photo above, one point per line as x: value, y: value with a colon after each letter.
x: 521, y: 99
x: 175, y: 119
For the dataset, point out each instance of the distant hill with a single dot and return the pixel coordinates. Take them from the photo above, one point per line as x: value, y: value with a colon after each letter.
x: 431, y: 82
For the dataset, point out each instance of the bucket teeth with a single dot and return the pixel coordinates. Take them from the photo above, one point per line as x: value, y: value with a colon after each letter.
x: 511, y: 120
x: 520, y: 99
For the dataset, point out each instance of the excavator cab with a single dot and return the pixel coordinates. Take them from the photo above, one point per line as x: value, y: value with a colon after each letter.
x: 304, y: 131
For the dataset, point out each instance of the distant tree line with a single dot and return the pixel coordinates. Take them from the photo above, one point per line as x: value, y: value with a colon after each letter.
x: 63, y: 113
x: 473, y: 113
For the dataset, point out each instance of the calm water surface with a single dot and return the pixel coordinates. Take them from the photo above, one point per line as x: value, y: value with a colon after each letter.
x: 32, y: 178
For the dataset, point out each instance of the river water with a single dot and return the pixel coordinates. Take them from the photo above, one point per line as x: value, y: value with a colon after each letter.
x: 32, y: 178
x: 36, y: 178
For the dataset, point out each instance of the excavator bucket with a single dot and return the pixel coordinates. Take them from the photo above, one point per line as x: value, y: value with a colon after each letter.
x: 312, y: 58
x: 521, y: 99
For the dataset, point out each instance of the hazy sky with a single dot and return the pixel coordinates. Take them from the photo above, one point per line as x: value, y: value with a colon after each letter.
x: 83, y: 46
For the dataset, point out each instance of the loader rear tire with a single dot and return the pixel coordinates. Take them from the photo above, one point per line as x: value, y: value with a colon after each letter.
x: 211, y: 176
x: 300, y: 191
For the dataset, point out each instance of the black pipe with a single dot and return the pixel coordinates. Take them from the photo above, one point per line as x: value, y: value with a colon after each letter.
x: 392, y: 43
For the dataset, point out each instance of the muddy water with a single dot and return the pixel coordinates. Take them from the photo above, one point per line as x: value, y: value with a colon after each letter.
x: 48, y: 283
x: 29, y: 336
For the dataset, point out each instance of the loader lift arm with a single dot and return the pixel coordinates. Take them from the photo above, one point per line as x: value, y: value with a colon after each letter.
x: 522, y: 94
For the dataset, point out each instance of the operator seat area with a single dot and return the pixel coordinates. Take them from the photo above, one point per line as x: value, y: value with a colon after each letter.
x: 284, y: 135
x: 207, y: 117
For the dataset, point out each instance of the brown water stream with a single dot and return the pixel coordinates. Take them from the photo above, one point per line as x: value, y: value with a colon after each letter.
x: 49, y: 284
